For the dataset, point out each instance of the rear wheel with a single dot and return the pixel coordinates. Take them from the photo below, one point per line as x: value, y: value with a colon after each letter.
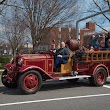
x: 6, y: 82
x: 30, y: 82
x: 100, y: 77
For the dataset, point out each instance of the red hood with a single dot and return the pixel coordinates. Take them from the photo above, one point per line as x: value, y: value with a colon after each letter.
x: 34, y: 56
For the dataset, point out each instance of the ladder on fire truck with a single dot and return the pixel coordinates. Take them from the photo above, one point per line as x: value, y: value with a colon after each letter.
x: 97, y: 56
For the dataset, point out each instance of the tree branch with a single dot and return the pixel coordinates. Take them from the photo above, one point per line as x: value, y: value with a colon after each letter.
x: 101, y: 10
x: 99, y: 25
x: 2, y: 2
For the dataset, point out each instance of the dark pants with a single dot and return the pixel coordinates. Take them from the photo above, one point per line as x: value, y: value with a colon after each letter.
x: 58, y: 61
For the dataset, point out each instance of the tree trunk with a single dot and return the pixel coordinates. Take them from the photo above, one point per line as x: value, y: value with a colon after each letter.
x: 35, y: 46
x: 13, y: 52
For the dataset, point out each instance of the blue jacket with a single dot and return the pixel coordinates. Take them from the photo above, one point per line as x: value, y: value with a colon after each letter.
x: 64, y: 52
x: 94, y: 43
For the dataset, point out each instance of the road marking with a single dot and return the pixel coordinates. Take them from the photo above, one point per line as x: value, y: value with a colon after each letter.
x: 55, y: 99
x: 106, y: 86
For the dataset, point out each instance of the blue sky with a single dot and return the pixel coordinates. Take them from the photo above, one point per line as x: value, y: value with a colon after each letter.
x: 87, y: 4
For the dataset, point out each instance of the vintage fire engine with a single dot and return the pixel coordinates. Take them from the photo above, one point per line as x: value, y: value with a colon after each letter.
x: 28, y: 71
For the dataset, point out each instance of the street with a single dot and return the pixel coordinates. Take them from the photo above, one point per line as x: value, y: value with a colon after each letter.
x: 58, y: 96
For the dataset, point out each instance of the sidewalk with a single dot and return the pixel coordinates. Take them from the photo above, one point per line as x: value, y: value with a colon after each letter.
x: 1, y: 69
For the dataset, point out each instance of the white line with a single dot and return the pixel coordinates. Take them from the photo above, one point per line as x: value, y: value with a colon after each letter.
x: 106, y: 86
x: 55, y: 99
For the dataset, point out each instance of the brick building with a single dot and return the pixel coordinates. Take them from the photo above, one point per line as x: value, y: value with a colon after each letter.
x: 90, y: 29
x: 62, y: 34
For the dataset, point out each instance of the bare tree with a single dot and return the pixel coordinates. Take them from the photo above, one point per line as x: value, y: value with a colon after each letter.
x: 40, y: 14
x: 14, y: 29
x: 99, y: 6
x: 2, y: 1
x: 2, y: 6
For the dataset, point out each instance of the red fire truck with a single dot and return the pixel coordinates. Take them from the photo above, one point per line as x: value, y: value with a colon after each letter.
x: 28, y: 71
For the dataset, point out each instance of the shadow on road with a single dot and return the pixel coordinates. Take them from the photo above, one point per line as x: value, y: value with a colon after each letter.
x: 8, y: 91
x: 108, y: 82
x: 48, y: 86
x: 63, y: 85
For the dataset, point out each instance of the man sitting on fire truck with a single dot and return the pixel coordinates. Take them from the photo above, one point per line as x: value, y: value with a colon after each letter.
x: 61, y: 55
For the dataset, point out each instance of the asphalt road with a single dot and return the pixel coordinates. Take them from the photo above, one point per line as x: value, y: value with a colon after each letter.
x: 58, y: 96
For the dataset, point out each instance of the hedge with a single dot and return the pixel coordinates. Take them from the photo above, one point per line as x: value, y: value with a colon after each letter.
x: 4, y: 60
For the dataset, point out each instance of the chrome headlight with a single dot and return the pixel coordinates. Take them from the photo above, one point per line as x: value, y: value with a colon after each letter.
x: 20, y: 60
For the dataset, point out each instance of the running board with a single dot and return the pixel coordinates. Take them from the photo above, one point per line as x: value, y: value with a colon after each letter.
x: 73, y: 77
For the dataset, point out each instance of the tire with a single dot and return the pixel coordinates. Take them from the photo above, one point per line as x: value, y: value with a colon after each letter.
x: 5, y: 81
x: 73, y: 80
x: 30, y: 82
x: 100, y: 77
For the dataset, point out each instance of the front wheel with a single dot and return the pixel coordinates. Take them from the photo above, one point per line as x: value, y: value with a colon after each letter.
x: 100, y: 77
x: 30, y: 82
x: 6, y: 82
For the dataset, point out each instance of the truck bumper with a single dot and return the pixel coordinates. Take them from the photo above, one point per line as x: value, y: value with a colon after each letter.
x: 10, y: 68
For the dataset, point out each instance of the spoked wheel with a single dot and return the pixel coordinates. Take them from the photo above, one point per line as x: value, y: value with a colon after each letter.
x: 6, y: 82
x: 100, y: 77
x: 30, y: 82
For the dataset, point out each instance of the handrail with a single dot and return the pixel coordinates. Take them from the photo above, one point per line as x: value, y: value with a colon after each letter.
x: 97, y: 56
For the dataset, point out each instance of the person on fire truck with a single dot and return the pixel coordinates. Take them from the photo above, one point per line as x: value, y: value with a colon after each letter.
x: 53, y: 50
x: 104, y: 41
x: 94, y: 42
x: 107, y: 37
x: 61, y: 55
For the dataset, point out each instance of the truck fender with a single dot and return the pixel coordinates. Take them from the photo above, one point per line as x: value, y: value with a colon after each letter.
x: 27, y: 68
x: 100, y: 65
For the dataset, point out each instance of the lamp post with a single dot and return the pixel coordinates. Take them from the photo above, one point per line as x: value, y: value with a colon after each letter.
x: 6, y: 49
x: 59, y: 37
x: 69, y: 33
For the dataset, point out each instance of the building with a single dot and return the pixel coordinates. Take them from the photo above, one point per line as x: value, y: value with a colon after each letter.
x: 58, y: 34
x: 90, y: 29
